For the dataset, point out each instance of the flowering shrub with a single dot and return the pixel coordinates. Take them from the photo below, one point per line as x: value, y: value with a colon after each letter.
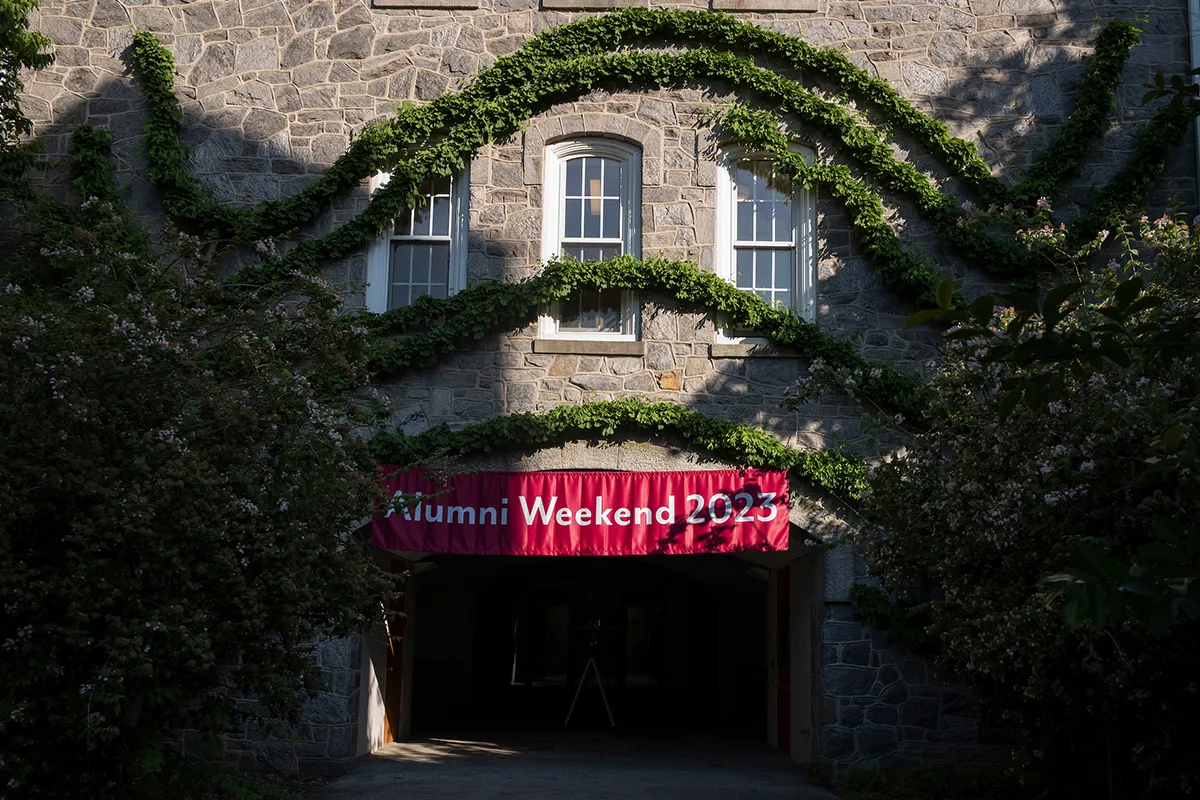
x: 179, y: 501
x: 1061, y: 443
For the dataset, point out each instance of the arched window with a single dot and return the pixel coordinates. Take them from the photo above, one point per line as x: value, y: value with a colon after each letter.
x: 766, y: 233
x: 425, y: 251
x: 592, y: 212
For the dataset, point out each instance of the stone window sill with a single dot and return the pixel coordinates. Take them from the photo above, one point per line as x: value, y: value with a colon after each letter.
x: 766, y: 5
x: 784, y: 6
x: 565, y: 5
x: 453, y: 4
x: 588, y: 348
x: 749, y: 351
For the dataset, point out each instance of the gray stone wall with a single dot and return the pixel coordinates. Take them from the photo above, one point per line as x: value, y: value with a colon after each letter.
x: 272, y: 91
x: 323, y: 743
x: 881, y: 706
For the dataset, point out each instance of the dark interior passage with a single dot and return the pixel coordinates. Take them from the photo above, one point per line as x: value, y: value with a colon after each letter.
x: 502, y: 644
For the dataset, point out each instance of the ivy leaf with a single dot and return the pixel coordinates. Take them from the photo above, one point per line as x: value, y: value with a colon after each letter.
x: 1052, y: 307
x: 983, y: 308
x: 1009, y: 402
x: 923, y: 316
x: 1172, y: 437
x: 945, y: 293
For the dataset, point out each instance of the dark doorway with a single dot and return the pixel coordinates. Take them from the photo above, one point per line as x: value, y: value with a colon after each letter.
x: 503, y: 643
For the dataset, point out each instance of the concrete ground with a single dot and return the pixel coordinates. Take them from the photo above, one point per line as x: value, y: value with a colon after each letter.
x: 591, y: 767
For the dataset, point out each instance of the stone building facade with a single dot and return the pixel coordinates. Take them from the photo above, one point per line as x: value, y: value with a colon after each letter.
x: 273, y: 90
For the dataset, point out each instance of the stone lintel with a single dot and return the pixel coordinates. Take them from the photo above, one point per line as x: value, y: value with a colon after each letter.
x: 593, y: 4
x: 749, y: 351
x: 588, y: 348
x: 425, y: 3
x: 766, y: 5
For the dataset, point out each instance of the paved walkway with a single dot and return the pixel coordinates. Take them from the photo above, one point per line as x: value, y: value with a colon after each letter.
x: 588, y: 768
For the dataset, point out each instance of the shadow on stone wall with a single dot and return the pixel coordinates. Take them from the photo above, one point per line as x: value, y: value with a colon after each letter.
x: 1011, y: 99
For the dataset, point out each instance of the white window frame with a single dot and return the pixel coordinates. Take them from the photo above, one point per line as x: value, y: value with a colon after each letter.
x: 379, y: 254
x: 804, y: 233
x: 553, y: 200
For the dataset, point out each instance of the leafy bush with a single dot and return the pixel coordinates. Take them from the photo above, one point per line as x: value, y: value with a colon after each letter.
x: 934, y: 783
x: 178, y: 499
x: 1062, y: 442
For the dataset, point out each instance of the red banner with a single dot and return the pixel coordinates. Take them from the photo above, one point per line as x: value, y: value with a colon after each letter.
x: 585, y: 513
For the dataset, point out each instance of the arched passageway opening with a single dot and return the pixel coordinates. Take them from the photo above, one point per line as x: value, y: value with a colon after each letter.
x: 679, y: 643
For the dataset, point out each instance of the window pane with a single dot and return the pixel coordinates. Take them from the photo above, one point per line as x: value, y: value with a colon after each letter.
x: 574, y: 187
x: 440, y: 185
x: 421, y: 221
x: 585, y: 253
x: 612, y: 177
x: 404, y: 224
x: 783, y: 269
x: 612, y: 219
x: 401, y: 262
x: 592, y: 168
x: 763, y: 203
x: 745, y: 222
x: 764, y: 229
x: 744, y: 180
x: 439, y: 264
x: 745, y: 269
x: 420, y: 270
x: 763, y: 269
x: 592, y: 310
x: 591, y: 219
x: 573, y: 228
x: 783, y: 222
x: 441, y: 216
x: 399, y: 295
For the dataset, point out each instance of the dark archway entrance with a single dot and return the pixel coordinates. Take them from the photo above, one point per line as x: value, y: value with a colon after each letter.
x: 504, y: 642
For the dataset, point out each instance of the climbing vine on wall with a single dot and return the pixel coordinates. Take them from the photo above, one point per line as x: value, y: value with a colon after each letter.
x: 838, y: 473
x: 569, y: 61
x: 439, y: 326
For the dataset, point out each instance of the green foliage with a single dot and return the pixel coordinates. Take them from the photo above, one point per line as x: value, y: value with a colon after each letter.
x: 572, y: 60
x: 838, y: 473
x: 1061, y: 444
x: 1126, y: 193
x: 177, y: 500
x: 438, y: 326
x: 414, y: 127
x: 935, y: 783
x: 1102, y: 76
x: 906, y: 623
x: 20, y: 49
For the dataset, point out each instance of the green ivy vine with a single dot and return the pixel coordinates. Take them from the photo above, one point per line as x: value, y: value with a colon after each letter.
x: 1102, y: 76
x: 440, y: 326
x: 567, y: 62
x: 841, y: 474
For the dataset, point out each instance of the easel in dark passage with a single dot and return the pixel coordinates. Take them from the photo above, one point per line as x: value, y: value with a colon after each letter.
x: 595, y: 669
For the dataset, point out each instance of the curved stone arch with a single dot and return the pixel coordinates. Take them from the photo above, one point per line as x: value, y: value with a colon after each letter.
x: 544, y: 129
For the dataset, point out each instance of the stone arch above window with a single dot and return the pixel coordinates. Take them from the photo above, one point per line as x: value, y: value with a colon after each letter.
x: 616, y: 127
